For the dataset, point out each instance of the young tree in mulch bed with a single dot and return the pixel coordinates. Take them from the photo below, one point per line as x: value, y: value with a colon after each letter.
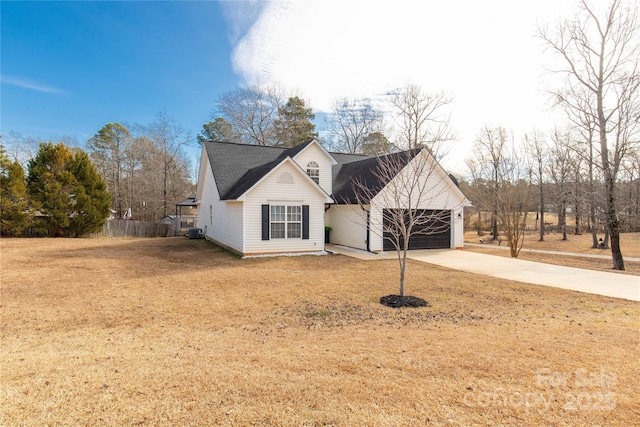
x: 405, y: 181
x: 397, y: 301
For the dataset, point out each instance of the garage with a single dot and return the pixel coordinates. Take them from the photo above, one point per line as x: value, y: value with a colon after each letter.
x: 437, y: 230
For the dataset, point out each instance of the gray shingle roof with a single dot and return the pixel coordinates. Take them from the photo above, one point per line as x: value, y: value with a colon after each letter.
x: 237, y: 167
x: 362, y: 171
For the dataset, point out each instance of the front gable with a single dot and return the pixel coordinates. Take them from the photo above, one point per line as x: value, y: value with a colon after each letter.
x: 436, y: 188
x: 287, y: 187
x: 314, y: 154
x: 285, y: 179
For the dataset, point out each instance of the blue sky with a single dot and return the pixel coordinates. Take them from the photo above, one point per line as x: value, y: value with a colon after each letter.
x: 69, y: 68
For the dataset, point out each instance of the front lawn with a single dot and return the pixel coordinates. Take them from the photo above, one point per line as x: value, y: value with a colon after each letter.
x: 178, y: 332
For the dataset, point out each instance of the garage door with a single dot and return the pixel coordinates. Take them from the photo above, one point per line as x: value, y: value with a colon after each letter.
x: 437, y: 231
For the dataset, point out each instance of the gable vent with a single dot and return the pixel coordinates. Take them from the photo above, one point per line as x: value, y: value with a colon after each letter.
x: 285, y: 178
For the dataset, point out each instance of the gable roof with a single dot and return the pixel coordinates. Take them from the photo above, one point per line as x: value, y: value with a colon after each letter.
x: 238, y: 167
x: 363, y: 171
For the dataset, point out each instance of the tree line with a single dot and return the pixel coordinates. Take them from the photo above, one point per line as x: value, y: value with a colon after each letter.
x: 591, y: 163
x: 145, y: 167
x: 127, y: 171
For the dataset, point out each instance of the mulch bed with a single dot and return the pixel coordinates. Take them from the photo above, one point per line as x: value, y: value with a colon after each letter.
x: 397, y: 301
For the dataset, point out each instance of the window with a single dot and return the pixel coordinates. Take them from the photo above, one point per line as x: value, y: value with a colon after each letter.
x: 211, y: 214
x: 294, y: 222
x: 285, y: 222
x: 313, y: 170
x: 277, y: 222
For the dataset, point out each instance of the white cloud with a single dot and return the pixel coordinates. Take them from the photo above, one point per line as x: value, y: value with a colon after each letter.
x: 29, y: 84
x: 484, y: 54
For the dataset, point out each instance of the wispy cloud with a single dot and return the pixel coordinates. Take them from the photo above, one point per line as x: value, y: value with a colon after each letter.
x: 30, y: 84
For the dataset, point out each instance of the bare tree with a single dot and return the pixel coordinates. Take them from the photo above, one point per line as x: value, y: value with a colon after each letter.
x: 503, y: 177
x: 107, y: 149
x: 423, y: 119
x: 490, y: 153
x: 600, y: 52
x: 560, y: 168
x: 577, y: 171
x: 252, y: 112
x: 19, y: 147
x: 351, y: 122
x: 480, y: 194
x: 513, y: 196
x: 537, y: 150
x: 169, y: 137
x: 400, y: 187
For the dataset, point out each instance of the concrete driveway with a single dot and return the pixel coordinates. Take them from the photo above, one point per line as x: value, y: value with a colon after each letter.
x: 576, y: 279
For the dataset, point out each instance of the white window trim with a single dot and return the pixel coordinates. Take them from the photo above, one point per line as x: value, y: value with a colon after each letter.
x: 313, y: 170
x: 286, y: 221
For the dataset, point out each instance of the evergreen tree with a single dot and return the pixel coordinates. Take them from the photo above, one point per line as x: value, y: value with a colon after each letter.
x: 376, y: 144
x: 15, y: 211
x: 50, y: 184
x: 218, y: 130
x: 293, y: 125
x: 67, y: 201
x: 92, y: 201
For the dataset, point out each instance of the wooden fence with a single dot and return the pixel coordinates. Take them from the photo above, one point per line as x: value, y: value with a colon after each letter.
x: 128, y: 228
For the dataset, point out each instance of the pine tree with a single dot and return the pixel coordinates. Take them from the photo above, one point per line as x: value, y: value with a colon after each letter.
x: 15, y: 211
x: 218, y: 130
x: 92, y: 201
x: 293, y: 125
x: 68, y: 189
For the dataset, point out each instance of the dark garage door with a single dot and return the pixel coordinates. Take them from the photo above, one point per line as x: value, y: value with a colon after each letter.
x: 440, y: 239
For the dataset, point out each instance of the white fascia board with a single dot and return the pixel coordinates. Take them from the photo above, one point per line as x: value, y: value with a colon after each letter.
x: 303, y: 175
x: 315, y: 141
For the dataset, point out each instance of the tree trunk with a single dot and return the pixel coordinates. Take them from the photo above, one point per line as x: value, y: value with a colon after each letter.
x: 562, y: 221
x: 577, y: 215
x: 541, y: 218
x: 494, y: 225
x: 402, y: 258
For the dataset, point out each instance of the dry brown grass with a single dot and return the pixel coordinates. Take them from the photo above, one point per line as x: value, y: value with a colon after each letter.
x: 176, y: 332
x: 581, y: 244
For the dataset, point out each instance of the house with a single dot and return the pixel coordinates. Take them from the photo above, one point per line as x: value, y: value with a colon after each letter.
x: 255, y: 199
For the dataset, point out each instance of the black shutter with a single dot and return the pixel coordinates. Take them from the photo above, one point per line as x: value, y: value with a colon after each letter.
x: 305, y: 222
x: 265, y: 222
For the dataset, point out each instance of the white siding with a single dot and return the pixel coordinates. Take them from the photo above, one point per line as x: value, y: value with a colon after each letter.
x: 270, y: 191
x: 349, y: 226
x: 313, y: 153
x: 375, y: 233
x: 457, y: 224
x: 439, y: 193
x: 227, y: 226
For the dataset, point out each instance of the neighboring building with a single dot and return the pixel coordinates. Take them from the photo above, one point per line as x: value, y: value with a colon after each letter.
x: 256, y: 199
x: 185, y: 219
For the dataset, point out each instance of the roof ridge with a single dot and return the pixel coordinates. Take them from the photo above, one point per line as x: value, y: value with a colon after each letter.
x: 244, y: 144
